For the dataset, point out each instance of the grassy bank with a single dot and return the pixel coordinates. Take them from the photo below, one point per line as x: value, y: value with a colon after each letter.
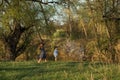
x: 58, y: 71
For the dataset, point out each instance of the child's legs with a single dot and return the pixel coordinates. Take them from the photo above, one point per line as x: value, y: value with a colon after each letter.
x: 56, y: 58
x: 39, y: 60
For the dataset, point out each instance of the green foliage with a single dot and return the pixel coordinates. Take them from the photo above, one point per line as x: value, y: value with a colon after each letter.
x: 60, y: 33
x: 22, y: 12
x: 91, y: 47
x: 92, y: 20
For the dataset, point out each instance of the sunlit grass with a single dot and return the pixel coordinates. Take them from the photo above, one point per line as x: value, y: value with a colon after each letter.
x: 31, y: 70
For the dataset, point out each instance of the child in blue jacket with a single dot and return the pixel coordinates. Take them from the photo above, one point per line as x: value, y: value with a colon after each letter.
x: 55, y: 53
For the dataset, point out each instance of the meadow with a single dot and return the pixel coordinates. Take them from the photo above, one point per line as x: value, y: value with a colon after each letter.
x: 61, y: 70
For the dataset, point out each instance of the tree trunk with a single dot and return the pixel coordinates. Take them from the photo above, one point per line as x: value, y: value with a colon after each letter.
x: 13, y: 57
x: 12, y: 40
x: 112, y: 30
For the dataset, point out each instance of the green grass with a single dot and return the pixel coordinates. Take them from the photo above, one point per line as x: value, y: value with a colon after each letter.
x: 31, y: 70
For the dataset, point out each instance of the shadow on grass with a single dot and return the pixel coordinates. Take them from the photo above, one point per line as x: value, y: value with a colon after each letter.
x: 40, y: 69
x: 72, y: 64
x: 54, y: 68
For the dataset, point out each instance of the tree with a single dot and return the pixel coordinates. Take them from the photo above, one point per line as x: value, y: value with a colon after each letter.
x: 21, y: 19
x: 17, y: 20
x: 112, y: 19
x: 105, y: 14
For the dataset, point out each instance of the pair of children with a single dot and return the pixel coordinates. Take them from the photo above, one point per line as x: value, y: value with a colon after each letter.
x: 43, y: 53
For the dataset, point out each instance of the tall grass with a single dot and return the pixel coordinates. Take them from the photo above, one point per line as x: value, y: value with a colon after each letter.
x: 30, y: 70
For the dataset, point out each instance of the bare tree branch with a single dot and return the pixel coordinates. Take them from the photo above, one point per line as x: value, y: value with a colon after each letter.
x: 1, y: 3
x: 7, y: 2
x: 44, y: 2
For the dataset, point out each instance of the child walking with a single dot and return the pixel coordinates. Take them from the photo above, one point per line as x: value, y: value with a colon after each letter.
x: 42, y: 54
x: 55, y: 53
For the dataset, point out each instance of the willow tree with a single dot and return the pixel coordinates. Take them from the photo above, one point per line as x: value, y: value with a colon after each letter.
x: 111, y: 17
x: 17, y: 18
x: 20, y: 19
x: 105, y: 19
